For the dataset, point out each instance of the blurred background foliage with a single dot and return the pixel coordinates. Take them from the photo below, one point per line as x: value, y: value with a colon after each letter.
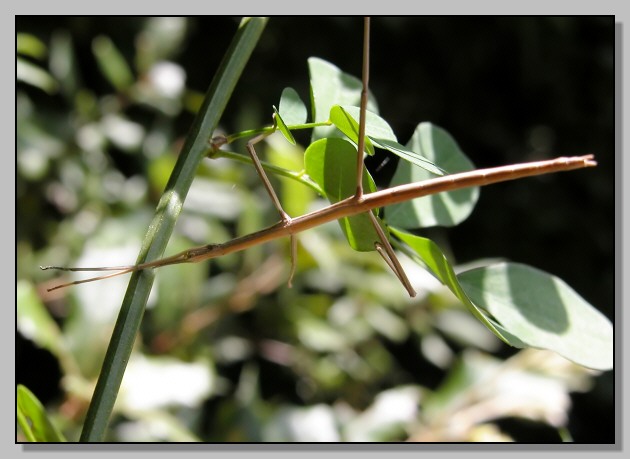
x: 227, y: 352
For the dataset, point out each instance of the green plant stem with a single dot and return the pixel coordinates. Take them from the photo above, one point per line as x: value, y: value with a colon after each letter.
x: 156, y: 239
x: 253, y: 132
x: 297, y: 176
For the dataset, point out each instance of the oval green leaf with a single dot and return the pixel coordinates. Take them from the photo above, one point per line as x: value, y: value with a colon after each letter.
x: 380, y: 133
x: 34, y: 321
x: 438, y: 265
x: 375, y: 126
x: 330, y: 86
x: 292, y: 108
x: 442, y: 209
x: 524, y: 306
x: 30, y: 45
x: 29, y: 73
x: 112, y: 63
x: 331, y: 163
x: 543, y: 311
x: 349, y: 126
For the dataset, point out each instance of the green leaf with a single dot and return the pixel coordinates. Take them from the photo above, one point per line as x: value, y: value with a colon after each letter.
x: 292, y: 108
x: 408, y: 155
x: 442, y: 209
x: 30, y: 45
x: 65, y: 68
x: 283, y: 127
x: 543, y: 311
x: 35, y: 76
x: 112, y: 63
x: 33, y: 420
x: 33, y: 320
x: 36, y: 324
x: 524, y: 306
x: 375, y: 126
x: 437, y: 263
x: 330, y: 86
x: 379, y: 133
x: 331, y: 163
x: 349, y: 126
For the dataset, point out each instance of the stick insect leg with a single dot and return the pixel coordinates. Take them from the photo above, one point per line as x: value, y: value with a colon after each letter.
x: 385, y: 250
x: 263, y: 176
x: 276, y: 202
x: 293, y: 240
x: 383, y: 247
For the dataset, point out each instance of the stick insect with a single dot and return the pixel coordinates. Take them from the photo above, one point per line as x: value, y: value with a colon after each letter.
x: 356, y: 204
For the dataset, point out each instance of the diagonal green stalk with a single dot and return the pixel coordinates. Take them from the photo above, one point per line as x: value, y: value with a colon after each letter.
x: 253, y: 132
x: 159, y: 232
x: 300, y: 177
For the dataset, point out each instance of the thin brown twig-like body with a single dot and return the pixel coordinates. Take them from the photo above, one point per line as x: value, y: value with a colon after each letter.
x: 352, y: 206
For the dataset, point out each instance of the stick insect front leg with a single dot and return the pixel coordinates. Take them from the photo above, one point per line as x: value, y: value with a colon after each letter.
x: 286, y: 220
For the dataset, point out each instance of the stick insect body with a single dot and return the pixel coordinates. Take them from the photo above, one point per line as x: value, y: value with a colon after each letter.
x: 349, y: 207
